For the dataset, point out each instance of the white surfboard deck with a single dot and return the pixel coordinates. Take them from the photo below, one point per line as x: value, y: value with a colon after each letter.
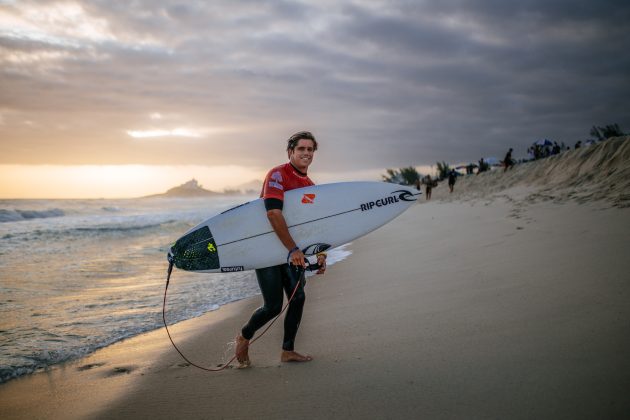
x: 319, y: 217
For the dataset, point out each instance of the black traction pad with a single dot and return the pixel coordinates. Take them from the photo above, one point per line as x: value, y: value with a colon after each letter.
x: 196, y: 251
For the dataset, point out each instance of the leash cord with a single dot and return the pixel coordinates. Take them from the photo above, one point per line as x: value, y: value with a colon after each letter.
x: 218, y: 369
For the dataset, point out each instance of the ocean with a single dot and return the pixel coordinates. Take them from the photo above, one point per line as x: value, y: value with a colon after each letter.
x: 79, y: 275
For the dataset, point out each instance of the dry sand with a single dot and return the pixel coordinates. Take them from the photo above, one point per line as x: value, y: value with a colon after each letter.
x: 508, y: 299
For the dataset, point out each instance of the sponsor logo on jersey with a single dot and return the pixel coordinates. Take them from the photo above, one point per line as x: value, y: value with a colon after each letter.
x: 232, y: 269
x: 403, y: 195
x: 275, y: 185
x: 275, y: 181
x: 308, y: 198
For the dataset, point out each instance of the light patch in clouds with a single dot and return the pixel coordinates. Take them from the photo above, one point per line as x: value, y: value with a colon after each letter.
x: 176, y: 132
x: 65, y: 25
x: 62, y: 24
x: 29, y: 58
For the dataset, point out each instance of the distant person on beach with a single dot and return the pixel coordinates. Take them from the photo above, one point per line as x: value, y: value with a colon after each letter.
x: 556, y: 148
x: 508, y: 162
x: 428, y: 182
x: 452, y: 176
x: 301, y: 148
x: 483, y: 166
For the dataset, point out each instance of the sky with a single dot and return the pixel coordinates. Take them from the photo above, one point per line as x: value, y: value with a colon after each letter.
x: 102, y: 98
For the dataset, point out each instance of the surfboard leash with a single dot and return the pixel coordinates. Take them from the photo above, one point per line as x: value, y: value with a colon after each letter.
x: 311, y: 267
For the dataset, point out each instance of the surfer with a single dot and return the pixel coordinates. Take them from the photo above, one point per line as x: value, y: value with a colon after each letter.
x: 301, y: 148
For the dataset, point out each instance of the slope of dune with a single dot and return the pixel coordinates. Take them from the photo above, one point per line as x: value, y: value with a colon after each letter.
x: 599, y: 172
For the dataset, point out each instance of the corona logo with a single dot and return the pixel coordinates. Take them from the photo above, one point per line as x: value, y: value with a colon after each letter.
x: 308, y: 199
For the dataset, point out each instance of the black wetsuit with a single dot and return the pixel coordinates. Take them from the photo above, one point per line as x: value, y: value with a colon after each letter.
x: 272, y: 281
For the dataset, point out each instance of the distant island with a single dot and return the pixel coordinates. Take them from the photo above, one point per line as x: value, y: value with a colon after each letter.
x: 192, y: 188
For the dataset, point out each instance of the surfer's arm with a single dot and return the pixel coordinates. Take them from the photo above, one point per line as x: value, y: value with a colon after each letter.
x: 279, y: 225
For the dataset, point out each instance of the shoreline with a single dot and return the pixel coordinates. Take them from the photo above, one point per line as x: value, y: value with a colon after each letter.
x: 121, y: 364
x: 498, y: 307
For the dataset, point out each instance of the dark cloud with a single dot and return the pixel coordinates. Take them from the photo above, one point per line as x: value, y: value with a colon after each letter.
x: 382, y: 84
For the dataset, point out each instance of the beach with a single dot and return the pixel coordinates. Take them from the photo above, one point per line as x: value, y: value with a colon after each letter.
x: 507, y: 299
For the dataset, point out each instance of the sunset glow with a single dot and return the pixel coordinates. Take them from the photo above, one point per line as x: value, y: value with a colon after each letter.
x: 113, y: 181
x: 177, y: 132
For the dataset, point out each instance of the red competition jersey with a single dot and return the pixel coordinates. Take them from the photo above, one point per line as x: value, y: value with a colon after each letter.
x: 283, y: 178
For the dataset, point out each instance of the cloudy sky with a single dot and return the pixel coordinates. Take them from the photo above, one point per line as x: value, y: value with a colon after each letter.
x: 133, y: 97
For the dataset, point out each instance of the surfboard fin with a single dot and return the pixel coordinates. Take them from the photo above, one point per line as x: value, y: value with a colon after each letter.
x: 315, y: 249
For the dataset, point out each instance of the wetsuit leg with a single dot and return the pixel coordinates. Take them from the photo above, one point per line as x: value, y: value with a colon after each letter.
x: 294, y: 312
x: 270, y: 281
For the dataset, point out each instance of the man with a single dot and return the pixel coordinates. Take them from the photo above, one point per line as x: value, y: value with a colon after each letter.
x: 272, y: 280
x: 483, y: 166
x: 452, y: 176
x: 508, y: 162
x: 428, y: 181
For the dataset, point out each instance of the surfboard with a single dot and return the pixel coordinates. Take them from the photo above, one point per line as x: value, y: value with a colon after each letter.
x: 319, y: 217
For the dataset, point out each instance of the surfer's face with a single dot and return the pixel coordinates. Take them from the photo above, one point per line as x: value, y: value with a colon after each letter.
x: 301, y: 155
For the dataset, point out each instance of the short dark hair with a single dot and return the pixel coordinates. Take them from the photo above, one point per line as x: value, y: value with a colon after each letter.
x: 301, y: 135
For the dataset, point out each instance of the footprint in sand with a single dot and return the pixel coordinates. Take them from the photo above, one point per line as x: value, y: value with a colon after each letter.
x: 90, y: 366
x: 120, y: 370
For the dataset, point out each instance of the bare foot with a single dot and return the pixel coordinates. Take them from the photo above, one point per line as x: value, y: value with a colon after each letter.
x: 242, y: 351
x: 292, y: 356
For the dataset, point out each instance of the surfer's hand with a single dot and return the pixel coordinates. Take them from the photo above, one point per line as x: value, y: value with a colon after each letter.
x: 321, y: 261
x: 297, y: 258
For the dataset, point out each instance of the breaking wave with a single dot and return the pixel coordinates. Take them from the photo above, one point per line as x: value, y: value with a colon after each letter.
x: 16, y: 215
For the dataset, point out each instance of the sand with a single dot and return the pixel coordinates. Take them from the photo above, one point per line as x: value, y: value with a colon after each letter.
x: 509, y: 298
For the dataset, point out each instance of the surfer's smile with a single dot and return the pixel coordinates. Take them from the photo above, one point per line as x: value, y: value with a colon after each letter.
x: 302, y: 154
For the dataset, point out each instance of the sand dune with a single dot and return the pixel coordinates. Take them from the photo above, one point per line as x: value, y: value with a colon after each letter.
x: 598, y: 172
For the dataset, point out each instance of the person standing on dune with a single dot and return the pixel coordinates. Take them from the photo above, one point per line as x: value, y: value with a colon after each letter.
x: 452, y: 176
x: 508, y: 162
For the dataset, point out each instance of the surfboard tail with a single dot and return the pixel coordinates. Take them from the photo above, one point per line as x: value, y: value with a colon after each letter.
x: 195, y: 251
